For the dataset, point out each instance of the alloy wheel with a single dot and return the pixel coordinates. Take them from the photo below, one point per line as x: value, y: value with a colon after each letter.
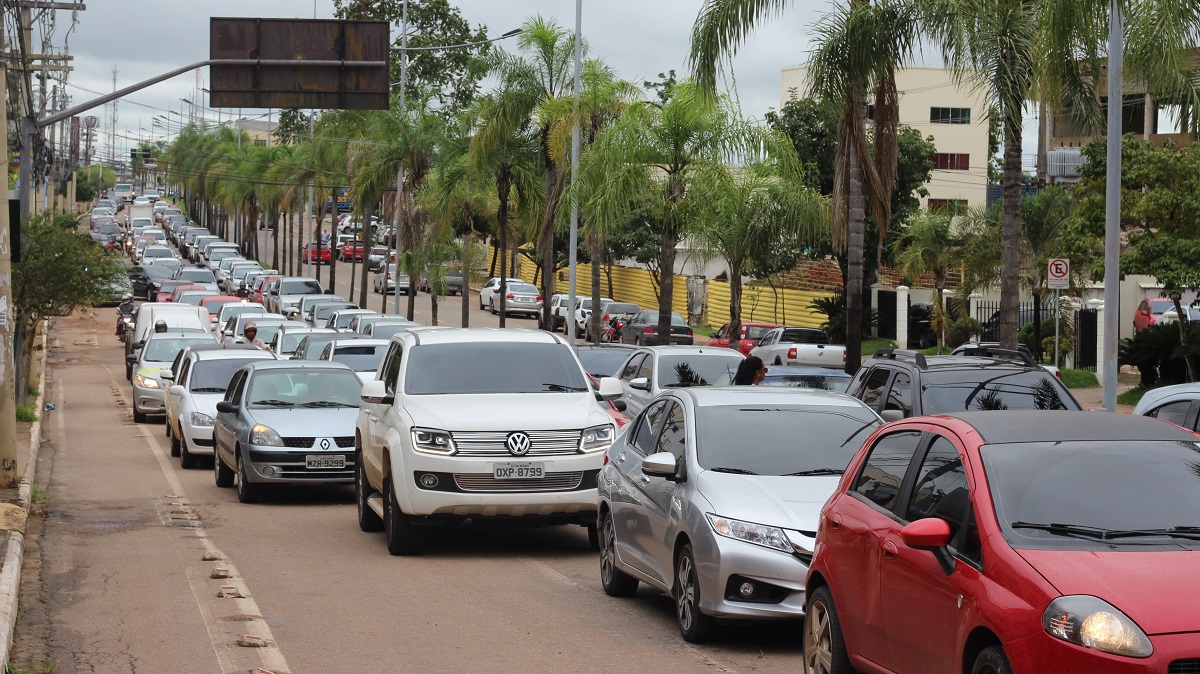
x: 685, y: 601
x: 818, y: 644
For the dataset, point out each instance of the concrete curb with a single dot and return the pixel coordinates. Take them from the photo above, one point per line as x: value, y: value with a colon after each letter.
x: 10, y: 577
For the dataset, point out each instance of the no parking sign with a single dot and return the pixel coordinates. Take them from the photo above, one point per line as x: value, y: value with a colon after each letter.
x: 1058, y: 273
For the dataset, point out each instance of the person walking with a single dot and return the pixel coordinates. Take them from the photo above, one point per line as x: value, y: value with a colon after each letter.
x: 750, y: 372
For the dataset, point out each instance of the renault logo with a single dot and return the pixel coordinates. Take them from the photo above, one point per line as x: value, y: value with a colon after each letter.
x: 517, y: 443
x: 324, y: 443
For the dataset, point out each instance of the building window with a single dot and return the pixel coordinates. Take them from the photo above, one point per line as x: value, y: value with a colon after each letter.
x: 955, y: 206
x: 945, y: 161
x: 949, y: 115
x: 871, y: 111
x: 260, y: 141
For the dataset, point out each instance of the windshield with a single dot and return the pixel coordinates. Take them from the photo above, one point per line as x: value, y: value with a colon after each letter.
x: 343, y: 320
x: 360, y: 358
x: 266, y: 331
x: 652, y: 318
x: 197, y: 275
x: 484, y: 367
x: 165, y: 350
x: 324, y: 311
x: 684, y: 371
x: 386, y: 330
x: 603, y: 362
x: 304, y: 388
x: 803, y: 337
x: 156, y: 252
x: 212, y: 376
x: 232, y: 309
x: 757, y: 331
x: 293, y: 287
x: 316, y: 344
x: 1007, y: 389
x: 1107, y: 485
x: 291, y: 340
x: 774, y: 439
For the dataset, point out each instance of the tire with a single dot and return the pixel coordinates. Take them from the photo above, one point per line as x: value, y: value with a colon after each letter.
x: 403, y: 539
x: 695, y: 626
x: 637, y: 341
x: 481, y: 307
x: 824, y: 647
x: 246, y: 491
x: 492, y: 307
x: 222, y: 475
x: 138, y: 417
x: 174, y: 440
x: 991, y: 660
x: 187, y: 460
x: 128, y: 372
x: 616, y: 583
x: 778, y: 360
x: 367, y: 519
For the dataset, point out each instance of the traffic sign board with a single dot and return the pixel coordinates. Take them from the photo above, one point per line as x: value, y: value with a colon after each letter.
x: 1058, y: 273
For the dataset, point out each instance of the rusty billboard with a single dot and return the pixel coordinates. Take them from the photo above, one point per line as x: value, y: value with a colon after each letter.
x: 298, y: 63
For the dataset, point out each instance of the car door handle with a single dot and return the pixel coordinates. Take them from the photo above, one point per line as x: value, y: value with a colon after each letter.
x: 621, y: 457
x: 645, y: 479
x: 889, y: 550
x: 374, y: 418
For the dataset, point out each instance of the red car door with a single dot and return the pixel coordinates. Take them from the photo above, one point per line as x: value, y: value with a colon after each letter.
x: 854, y: 533
x: 923, y: 607
x: 721, y: 338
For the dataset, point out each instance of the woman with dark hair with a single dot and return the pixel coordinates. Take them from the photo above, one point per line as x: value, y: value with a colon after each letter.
x: 750, y: 371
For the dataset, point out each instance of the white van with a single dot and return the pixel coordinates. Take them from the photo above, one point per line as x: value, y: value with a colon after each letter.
x: 176, y: 315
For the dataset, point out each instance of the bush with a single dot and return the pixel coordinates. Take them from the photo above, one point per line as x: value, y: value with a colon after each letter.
x: 1156, y: 354
x: 962, y: 331
x: 834, y: 310
x: 25, y: 414
x: 1065, y: 347
x: 1066, y: 331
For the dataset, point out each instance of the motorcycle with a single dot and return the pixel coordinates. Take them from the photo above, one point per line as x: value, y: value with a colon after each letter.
x: 612, y: 332
x: 124, y: 322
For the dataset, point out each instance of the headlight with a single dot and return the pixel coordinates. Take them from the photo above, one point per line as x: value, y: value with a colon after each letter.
x: 1094, y: 623
x: 758, y: 534
x: 265, y: 436
x: 146, y: 382
x: 596, y: 438
x: 201, y: 419
x: 432, y: 441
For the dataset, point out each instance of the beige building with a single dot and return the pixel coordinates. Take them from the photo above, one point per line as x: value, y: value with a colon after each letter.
x: 954, y: 115
x: 260, y: 131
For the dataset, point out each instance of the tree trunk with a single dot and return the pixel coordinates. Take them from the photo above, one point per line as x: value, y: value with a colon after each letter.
x: 1189, y: 358
x: 735, y: 306
x: 1010, y: 236
x: 502, y: 189
x: 595, y: 322
x: 855, y: 234
x: 465, y: 270
x: 273, y: 228
x: 546, y: 243
x: 1036, y: 347
x: 666, y: 282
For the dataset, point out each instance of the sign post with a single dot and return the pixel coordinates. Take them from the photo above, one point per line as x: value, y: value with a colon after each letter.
x: 1058, y: 275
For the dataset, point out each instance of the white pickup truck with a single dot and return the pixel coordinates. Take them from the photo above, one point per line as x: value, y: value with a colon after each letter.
x: 799, y: 346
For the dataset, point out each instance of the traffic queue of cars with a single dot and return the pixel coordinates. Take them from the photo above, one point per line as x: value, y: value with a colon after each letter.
x: 929, y: 514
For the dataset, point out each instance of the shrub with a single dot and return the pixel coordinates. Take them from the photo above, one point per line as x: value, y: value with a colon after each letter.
x: 25, y: 414
x: 834, y: 310
x: 962, y: 331
x: 1065, y: 346
x: 1156, y: 354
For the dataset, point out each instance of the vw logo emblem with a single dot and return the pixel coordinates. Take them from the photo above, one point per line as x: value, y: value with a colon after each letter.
x: 324, y: 443
x: 517, y: 443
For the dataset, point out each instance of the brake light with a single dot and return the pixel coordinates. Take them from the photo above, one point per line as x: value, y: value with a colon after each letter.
x: 605, y: 318
x: 1058, y: 373
x: 690, y: 333
x: 792, y: 353
x: 508, y: 296
x: 648, y: 331
x: 539, y: 298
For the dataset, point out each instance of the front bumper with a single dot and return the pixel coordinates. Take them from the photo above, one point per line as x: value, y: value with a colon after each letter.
x: 724, y: 564
x: 287, y: 465
x: 1172, y: 652
x: 199, y: 438
x: 150, y: 401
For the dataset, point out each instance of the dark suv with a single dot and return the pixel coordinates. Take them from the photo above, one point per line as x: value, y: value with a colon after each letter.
x: 900, y: 384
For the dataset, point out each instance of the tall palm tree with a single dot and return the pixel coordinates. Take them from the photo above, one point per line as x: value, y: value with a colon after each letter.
x: 1051, y: 50
x: 860, y: 45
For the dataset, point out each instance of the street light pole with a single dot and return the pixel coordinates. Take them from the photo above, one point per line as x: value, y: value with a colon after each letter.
x: 1112, y: 214
x: 573, y: 253
x: 400, y: 173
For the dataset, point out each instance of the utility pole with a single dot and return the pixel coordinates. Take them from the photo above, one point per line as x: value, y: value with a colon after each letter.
x: 574, y: 238
x: 1112, y: 215
x: 400, y: 196
x: 8, y: 361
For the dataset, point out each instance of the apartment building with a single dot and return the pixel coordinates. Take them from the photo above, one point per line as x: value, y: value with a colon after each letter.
x: 955, y: 116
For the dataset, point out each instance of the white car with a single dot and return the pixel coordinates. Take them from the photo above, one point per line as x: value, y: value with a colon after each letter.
x: 479, y: 423
x: 651, y: 370
x: 196, y: 383
x: 287, y: 338
x: 489, y: 290
x: 360, y: 355
x: 583, y: 311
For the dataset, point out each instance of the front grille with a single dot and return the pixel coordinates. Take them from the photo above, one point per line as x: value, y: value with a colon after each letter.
x: 486, y: 482
x: 1189, y: 666
x: 344, y: 441
x: 298, y: 442
x: 541, y: 443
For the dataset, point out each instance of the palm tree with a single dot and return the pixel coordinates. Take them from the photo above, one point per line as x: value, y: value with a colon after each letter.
x: 859, y: 48
x: 1015, y: 50
x: 931, y: 243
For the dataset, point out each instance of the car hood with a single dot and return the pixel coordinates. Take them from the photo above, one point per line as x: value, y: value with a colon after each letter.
x: 789, y: 502
x: 153, y: 369
x: 1151, y: 586
x: 493, y: 412
x: 329, y: 422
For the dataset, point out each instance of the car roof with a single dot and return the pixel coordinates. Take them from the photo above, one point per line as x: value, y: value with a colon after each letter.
x: 684, y: 350
x: 605, y: 347
x: 228, y: 351
x: 805, y: 371
x: 1155, y: 396
x: 706, y: 396
x: 361, y: 341
x: 448, y: 335
x: 299, y: 365
x: 1012, y: 426
x: 948, y: 362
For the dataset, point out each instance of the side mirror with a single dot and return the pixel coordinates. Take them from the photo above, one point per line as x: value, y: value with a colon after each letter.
x: 932, y: 534
x: 610, y: 388
x: 661, y: 465
x: 176, y: 390
x: 138, y: 345
x: 639, y: 383
x: 620, y: 405
x: 329, y: 291
x: 892, y: 415
x: 166, y: 375
x: 226, y: 407
x: 375, y: 392
x: 131, y: 358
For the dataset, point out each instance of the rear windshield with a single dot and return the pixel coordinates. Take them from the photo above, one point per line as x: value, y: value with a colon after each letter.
x: 522, y: 288
x: 360, y: 358
x: 965, y: 390
x: 684, y: 371
x: 756, y: 331
x: 676, y: 319
x: 603, y: 362
x: 165, y: 350
x: 386, y: 330
x: 198, y: 275
x: 619, y: 308
x: 803, y: 337
x: 489, y: 368
x: 788, y: 439
x: 294, y: 287
x: 157, y: 252
x: 212, y: 376
x: 324, y: 311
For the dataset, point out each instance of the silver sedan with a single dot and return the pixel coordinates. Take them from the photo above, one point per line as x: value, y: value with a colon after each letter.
x: 522, y: 298
x: 713, y: 496
x: 285, y: 423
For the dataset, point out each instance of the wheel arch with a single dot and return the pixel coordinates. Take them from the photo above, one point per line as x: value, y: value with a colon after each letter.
x: 979, y: 639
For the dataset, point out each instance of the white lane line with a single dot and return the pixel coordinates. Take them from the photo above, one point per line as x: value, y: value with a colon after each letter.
x: 547, y: 571
x: 204, y: 588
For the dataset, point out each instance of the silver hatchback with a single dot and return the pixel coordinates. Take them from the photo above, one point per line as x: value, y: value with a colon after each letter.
x: 713, y: 496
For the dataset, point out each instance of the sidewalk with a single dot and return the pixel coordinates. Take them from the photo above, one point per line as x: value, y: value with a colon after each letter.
x: 1094, y: 397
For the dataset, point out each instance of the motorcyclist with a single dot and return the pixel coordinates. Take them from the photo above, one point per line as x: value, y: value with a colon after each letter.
x: 242, y: 290
x: 124, y: 309
x: 250, y: 336
x: 160, y: 325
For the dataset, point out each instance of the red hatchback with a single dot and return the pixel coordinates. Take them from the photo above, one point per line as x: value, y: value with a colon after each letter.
x: 311, y: 254
x: 1011, y: 541
x: 752, y: 334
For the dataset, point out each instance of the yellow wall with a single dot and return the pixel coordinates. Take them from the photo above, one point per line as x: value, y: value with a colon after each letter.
x: 784, y: 306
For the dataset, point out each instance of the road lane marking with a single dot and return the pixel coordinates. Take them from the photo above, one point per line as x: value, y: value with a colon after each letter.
x: 547, y: 571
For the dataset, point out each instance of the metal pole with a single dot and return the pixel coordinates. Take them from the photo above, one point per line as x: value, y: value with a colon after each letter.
x: 400, y: 175
x: 1112, y: 216
x: 308, y: 258
x: 8, y: 362
x: 1057, y: 318
x: 573, y: 255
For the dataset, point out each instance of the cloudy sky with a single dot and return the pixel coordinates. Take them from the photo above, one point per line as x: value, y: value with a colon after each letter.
x: 639, y: 38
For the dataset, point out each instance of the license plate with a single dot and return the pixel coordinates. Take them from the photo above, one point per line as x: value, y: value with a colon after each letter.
x: 321, y: 461
x: 523, y: 299
x: 518, y: 471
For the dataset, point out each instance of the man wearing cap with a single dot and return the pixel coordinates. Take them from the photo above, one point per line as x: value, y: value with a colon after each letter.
x: 250, y: 336
x: 124, y: 309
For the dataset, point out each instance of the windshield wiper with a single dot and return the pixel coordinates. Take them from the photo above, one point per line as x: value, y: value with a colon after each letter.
x: 1097, y: 533
x: 816, y: 471
x: 735, y: 471
x: 208, y: 389
x: 326, y: 403
x: 563, y: 388
x: 273, y: 403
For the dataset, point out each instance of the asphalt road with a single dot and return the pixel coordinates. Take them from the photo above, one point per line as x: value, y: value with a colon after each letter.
x: 117, y: 580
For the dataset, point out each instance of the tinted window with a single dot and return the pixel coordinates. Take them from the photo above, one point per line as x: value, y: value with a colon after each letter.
x: 900, y: 395
x: 315, y: 343
x: 602, y: 362
x: 813, y: 381
x: 386, y: 330
x: 755, y: 331
x: 212, y: 376
x: 360, y: 358
x: 304, y: 388
x: 165, y: 350
x: 831, y: 436
x: 483, y: 367
x: 961, y: 390
x: 941, y: 487
x: 673, y: 438
x: 804, y: 337
x: 1175, y: 412
x: 1138, y: 484
x: 883, y: 473
x: 392, y: 371
x: 684, y: 371
x: 631, y: 368
x: 873, y: 390
x: 643, y: 438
